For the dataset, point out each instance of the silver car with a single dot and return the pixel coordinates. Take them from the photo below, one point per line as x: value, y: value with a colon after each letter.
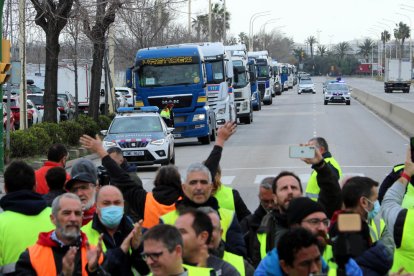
x: 337, y: 92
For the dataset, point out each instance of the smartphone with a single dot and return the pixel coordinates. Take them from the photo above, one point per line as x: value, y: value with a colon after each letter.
x: 349, y: 223
x: 412, y: 148
x: 301, y: 151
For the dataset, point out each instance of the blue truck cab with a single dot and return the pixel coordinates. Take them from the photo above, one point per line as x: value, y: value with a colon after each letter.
x: 256, y: 100
x: 175, y: 74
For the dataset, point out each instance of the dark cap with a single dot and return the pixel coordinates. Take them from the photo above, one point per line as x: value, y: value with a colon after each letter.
x: 82, y: 171
x: 300, y: 208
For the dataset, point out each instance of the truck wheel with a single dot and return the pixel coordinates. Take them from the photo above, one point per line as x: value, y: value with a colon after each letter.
x: 245, y: 120
x: 348, y: 102
x: 205, y: 140
x: 172, y: 160
x: 406, y: 91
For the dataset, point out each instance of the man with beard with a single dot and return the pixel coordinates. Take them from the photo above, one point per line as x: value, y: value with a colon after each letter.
x: 216, y: 246
x: 25, y: 214
x: 84, y: 184
x: 287, y: 186
x: 304, y: 212
x: 197, y: 188
x: 65, y: 250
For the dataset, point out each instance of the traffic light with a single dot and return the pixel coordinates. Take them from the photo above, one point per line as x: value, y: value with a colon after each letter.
x: 302, y: 54
x: 5, y: 61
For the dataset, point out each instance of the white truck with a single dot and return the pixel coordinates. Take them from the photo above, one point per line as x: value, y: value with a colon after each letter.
x: 219, y: 71
x: 241, y: 84
x: 397, y: 75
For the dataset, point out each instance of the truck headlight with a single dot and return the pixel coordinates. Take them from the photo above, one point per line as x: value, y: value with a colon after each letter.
x: 108, y: 144
x: 158, y: 142
x: 199, y: 117
x: 253, y: 98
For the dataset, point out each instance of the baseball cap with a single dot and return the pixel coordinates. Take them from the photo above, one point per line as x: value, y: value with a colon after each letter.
x: 82, y: 171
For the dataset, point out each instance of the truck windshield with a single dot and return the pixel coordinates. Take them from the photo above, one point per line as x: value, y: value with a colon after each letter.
x: 217, y: 71
x: 168, y: 75
x: 263, y: 71
x: 241, y: 80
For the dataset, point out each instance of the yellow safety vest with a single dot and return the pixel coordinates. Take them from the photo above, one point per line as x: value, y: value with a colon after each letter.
x: 312, y: 188
x: 408, y: 201
x: 165, y: 113
x: 197, y: 270
x: 225, y: 198
x: 17, y: 233
x: 93, y: 235
x: 262, y: 237
x: 226, y: 218
x: 404, y: 255
x: 236, y: 261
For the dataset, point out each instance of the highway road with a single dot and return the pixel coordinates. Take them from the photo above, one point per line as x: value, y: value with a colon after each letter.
x: 362, y: 143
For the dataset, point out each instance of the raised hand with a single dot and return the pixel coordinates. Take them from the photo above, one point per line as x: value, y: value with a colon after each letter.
x: 93, y: 255
x: 68, y: 261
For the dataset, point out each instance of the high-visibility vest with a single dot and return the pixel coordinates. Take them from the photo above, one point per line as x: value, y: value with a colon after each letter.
x: 236, y: 261
x: 42, y: 260
x: 262, y: 238
x: 225, y: 198
x: 154, y: 210
x: 408, y: 201
x: 197, y: 270
x: 312, y: 188
x: 404, y: 255
x: 165, y: 113
x: 93, y: 235
x: 17, y: 232
x: 226, y: 218
x: 375, y: 231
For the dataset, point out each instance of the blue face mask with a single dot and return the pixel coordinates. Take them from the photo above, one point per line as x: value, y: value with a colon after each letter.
x: 111, y: 216
x: 374, y: 212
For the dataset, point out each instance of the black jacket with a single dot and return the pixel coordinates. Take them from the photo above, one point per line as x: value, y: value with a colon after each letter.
x: 219, y: 252
x: 51, y: 195
x: 116, y: 261
x: 24, y: 202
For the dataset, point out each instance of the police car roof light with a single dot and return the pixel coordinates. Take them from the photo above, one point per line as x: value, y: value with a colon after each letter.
x: 137, y: 109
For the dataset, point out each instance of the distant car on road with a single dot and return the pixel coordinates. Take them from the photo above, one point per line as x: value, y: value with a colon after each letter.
x: 337, y: 92
x: 306, y: 86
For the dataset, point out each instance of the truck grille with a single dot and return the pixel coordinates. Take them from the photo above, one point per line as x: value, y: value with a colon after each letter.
x: 238, y: 95
x: 178, y: 101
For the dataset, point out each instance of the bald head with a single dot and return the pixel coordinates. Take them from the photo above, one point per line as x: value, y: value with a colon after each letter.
x: 109, y: 195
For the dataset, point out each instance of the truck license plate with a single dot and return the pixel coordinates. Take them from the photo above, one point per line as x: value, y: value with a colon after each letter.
x: 177, y: 135
x: 134, y: 153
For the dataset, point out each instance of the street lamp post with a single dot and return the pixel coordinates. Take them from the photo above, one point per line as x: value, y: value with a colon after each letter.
x: 210, y: 37
x: 224, y: 21
x: 252, y: 19
x: 263, y: 29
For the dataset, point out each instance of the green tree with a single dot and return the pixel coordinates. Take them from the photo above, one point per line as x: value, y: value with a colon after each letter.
x: 401, y: 33
x: 311, y: 40
x: 365, y: 49
x: 341, y: 49
x: 385, y: 37
x: 322, y: 50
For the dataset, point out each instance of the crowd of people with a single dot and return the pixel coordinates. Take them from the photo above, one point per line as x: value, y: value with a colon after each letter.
x: 54, y: 223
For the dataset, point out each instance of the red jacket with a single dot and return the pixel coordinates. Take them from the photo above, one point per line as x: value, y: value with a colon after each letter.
x: 41, y: 185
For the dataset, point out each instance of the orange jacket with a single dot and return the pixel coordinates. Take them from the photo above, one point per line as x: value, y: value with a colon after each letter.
x: 41, y: 185
x: 154, y: 210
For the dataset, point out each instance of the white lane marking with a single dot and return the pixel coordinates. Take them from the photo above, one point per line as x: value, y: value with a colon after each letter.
x: 227, y: 179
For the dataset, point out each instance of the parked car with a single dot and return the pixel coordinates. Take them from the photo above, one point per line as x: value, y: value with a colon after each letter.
x: 121, y: 99
x: 65, y: 112
x: 69, y: 98
x: 128, y: 94
x: 15, y: 109
x: 12, y: 120
x: 37, y: 99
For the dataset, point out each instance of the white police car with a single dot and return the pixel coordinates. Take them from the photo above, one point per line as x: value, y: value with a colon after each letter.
x: 142, y: 135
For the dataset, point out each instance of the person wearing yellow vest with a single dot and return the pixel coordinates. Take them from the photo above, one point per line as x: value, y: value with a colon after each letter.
x: 163, y: 253
x: 399, y: 220
x: 229, y: 198
x: 320, y: 144
x: 64, y: 250
x: 375, y: 250
x: 287, y: 186
x: 393, y: 176
x: 167, y: 114
x: 216, y: 246
x: 110, y: 224
x: 25, y: 214
x: 197, y: 187
x: 304, y: 212
x: 196, y: 229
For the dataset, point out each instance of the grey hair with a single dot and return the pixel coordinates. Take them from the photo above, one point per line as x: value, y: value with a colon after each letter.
x: 267, y: 182
x: 208, y: 210
x: 320, y: 142
x: 56, y: 202
x: 197, y: 167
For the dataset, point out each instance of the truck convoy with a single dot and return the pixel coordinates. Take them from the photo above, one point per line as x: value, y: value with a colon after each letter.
x: 176, y: 74
x: 397, y: 75
x: 241, y: 84
x: 265, y: 80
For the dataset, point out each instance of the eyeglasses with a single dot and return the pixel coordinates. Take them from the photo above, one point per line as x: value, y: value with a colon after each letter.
x: 153, y: 256
x: 316, y: 222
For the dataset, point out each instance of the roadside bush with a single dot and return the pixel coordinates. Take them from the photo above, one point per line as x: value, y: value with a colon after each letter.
x: 89, y: 126
x: 104, y: 122
x: 72, y: 131
x: 22, y: 144
x: 53, y: 130
x: 42, y: 141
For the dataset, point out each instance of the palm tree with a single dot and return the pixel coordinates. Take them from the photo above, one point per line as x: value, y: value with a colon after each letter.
x: 385, y: 37
x: 243, y: 38
x: 366, y: 48
x: 299, y: 54
x: 341, y: 49
x: 322, y: 50
x: 401, y: 33
x: 217, y: 18
x: 200, y: 24
x: 311, y: 41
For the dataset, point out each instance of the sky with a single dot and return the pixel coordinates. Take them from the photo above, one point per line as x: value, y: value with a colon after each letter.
x: 330, y: 22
